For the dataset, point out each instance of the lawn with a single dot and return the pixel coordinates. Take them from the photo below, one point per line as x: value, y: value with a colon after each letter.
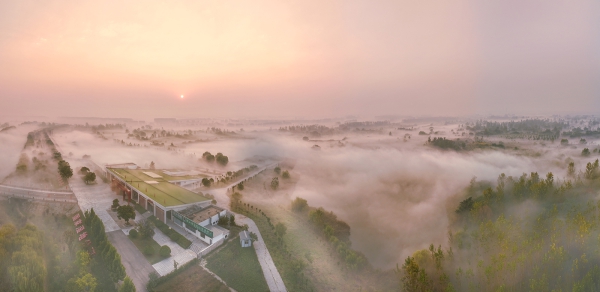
x: 193, y: 279
x: 238, y: 267
x: 142, y: 243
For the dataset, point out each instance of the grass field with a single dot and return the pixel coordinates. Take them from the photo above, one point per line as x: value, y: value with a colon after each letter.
x: 238, y: 267
x: 142, y: 243
x: 194, y: 279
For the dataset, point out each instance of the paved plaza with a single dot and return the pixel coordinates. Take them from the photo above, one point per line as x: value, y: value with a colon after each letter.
x: 178, y: 254
x: 97, y: 196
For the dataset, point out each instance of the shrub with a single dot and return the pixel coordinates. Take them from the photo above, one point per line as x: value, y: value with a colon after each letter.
x: 148, y: 250
x: 299, y: 205
x: 133, y: 233
x: 183, y: 242
x: 164, y: 251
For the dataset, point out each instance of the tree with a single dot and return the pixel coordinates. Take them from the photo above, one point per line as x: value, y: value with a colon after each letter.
x: 224, y: 221
x: 414, y: 277
x: 299, y: 204
x: 465, y: 206
x: 87, y: 282
x: 240, y: 186
x: 84, y: 170
x: 232, y: 220
x: 206, y: 182
x: 133, y: 233
x: 208, y: 156
x: 253, y: 236
x: 591, y: 170
x: 152, y: 165
x: 277, y: 170
x: 126, y: 213
x: 280, y: 229
x: 571, y: 169
x: 115, y: 204
x: 275, y: 183
x: 146, y: 229
x: 89, y: 177
x: 152, y: 281
x: 585, y: 152
x: 221, y: 159
x: 285, y: 174
x: 65, y: 170
x: 164, y: 251
x: 127, y: 285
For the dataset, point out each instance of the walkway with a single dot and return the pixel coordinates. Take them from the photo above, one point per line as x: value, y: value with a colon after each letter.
x: 178, y: 254
x: 270, y: 272
x: 136, y: 265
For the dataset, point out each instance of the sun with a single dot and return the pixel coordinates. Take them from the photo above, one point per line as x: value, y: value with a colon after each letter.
x: 182, y: 96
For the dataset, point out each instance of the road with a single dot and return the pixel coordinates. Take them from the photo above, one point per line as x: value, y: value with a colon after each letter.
x: 136, y: 265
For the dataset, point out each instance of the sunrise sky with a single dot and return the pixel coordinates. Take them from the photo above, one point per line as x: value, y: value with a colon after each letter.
x: 298, y: 58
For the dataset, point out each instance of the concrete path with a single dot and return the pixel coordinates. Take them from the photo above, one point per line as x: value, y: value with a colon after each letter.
x: 97, y: 196
x: 270, y: 272
x: 136, y: 265
x: 178, y: 254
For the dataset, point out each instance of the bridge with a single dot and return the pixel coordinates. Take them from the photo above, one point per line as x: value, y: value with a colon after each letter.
x: 37, y: 194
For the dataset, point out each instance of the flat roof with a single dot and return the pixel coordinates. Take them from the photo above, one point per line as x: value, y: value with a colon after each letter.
x: 199, y: 214
x: 158, y: 189
x: 217, y: 230
x: 178, y: 175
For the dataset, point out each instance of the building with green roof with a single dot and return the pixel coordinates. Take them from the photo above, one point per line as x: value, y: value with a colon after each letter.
x: 158, y: 191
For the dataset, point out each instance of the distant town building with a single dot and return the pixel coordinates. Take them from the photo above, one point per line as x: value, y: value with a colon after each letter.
x: 245, y: 239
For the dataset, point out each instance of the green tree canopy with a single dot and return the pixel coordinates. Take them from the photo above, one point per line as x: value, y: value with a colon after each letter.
x: 89, y: 177
x: 126, y: 213
x: 275, y: 183
x: 127, y: 285
x: 65, y: 170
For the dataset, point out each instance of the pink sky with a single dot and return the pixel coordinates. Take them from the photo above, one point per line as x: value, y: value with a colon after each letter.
x: 298, y: 58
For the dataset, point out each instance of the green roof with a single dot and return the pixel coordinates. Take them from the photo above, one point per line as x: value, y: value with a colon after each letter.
x: 162, y: 191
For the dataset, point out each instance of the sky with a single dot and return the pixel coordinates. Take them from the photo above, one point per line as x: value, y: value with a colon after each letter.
x: 268, y: 58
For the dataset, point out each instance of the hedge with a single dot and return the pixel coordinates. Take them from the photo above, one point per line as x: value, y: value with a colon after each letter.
x: 172, y: 234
